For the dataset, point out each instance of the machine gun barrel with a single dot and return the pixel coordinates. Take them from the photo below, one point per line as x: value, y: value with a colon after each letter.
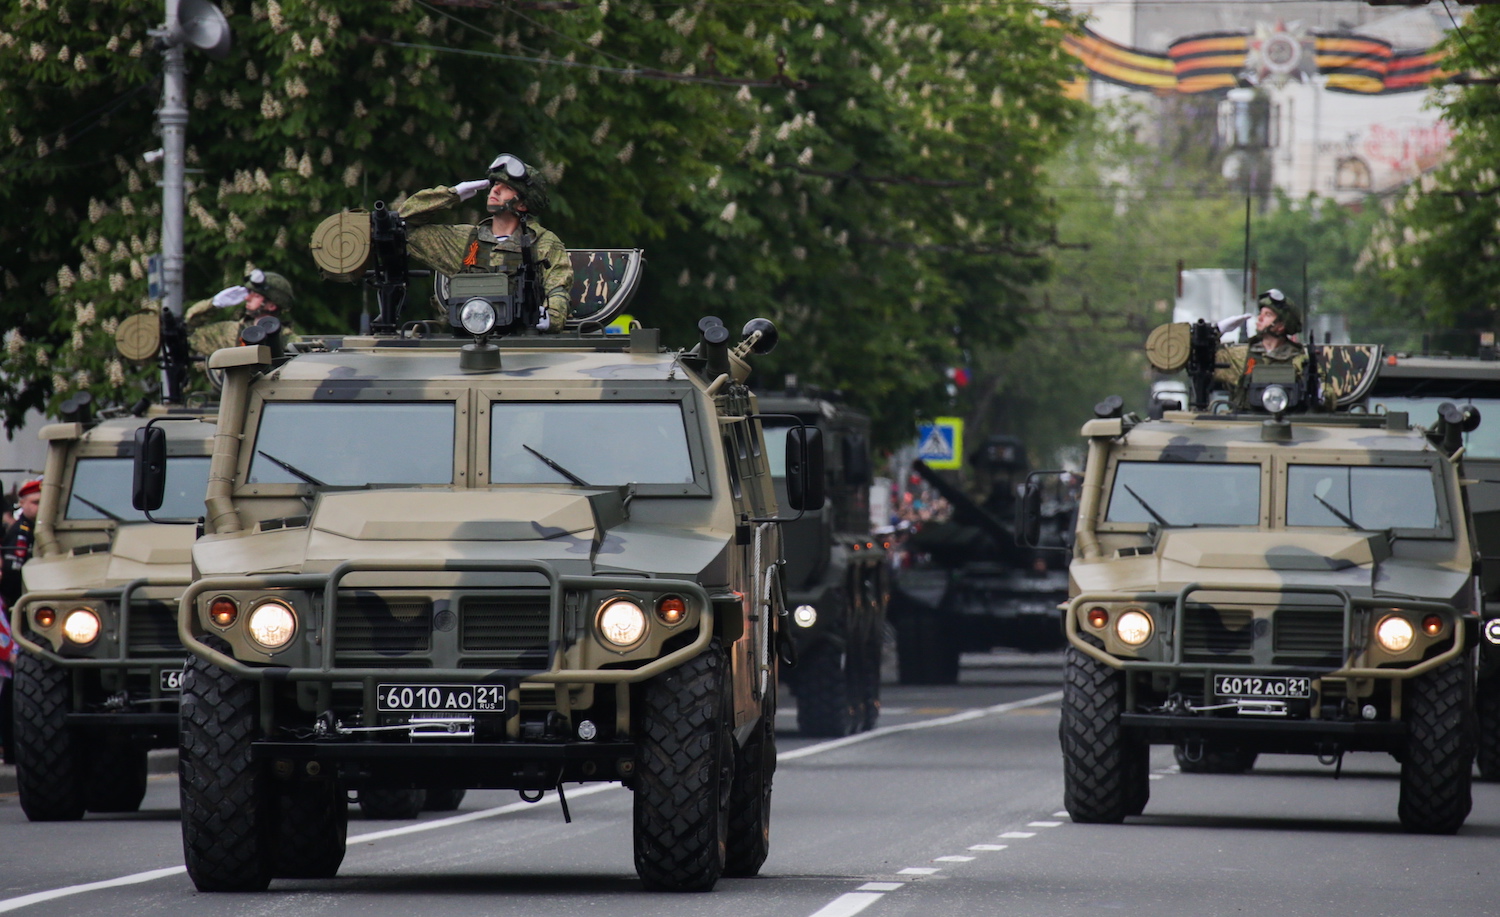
x: 530, y: 280
x: 966, y: 509
x: 1202, y: 361
x: 391, y: 274
x: 174, y: 357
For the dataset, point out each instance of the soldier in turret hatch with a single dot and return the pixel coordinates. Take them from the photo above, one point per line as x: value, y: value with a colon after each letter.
x: 515, y: 193
x: 1275, y: 324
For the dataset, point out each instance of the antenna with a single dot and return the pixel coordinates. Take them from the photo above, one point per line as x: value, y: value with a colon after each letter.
x: 1245, y: 277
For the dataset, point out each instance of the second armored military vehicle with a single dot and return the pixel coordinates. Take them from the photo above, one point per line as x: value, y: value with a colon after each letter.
x: 1297, y: 583
x: 432, y: 560
x: 97, y: 678
x: 836, y: 575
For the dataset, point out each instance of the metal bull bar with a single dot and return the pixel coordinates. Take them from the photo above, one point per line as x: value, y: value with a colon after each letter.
x: 123, y: 595
x: 329, y: 583
x: 1178, y: 600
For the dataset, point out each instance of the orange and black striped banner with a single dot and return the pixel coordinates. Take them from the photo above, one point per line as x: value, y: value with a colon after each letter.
x: 1214, y: 61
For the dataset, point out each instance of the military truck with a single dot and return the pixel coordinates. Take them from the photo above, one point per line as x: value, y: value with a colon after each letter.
x: 97, y: 677
x: 483, y: 557
x: 836, y: 574
x: 1419, y: 386
x: 970, y: 587
x: 1298, y: 583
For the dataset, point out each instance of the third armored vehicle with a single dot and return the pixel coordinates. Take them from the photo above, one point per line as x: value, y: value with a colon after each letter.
x: 1296, y: 583
x: 836, y: 574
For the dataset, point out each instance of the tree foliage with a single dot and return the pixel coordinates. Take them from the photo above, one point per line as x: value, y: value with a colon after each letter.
x: 863, y: 174
x: 1439, y: 248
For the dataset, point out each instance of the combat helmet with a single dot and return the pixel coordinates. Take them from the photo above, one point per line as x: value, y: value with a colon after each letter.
x: 1285, y: 309
x: 530, y: 185
x: 272, y: 286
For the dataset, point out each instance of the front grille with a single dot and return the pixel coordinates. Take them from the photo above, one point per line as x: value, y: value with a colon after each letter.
x: 506, y: 632
x: 152, y: 629
x: 1216, y: 635
x: 367, y: 625
x: 1306, y: 636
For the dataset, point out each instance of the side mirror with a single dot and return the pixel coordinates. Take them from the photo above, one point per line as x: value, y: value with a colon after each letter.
x: 149, y: 485
x: 804, y: 468
x: 1029, y: 515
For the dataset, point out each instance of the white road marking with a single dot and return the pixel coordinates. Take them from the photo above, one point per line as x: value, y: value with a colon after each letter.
x: 1019, y: 834
x: 883, y: 731
x: 1043, y: 824
x: 13, y: 904
x: 987, y: 847
x: 918, y: 871
x: 952, y: 859
x: 1062, y: 814
x: 848, y: 904
x: 881, y: 886
x: 1157, y: 776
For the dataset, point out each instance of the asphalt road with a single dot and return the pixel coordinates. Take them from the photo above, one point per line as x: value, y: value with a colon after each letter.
x: 952, y: 807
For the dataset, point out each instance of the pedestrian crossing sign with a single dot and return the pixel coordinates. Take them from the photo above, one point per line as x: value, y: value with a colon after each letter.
x: 941, y: 443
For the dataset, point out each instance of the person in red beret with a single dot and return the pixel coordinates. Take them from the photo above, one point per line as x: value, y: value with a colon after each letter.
x: 16, y: 549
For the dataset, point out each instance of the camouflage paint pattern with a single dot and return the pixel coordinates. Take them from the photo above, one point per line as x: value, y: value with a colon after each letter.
x: 445, y: 247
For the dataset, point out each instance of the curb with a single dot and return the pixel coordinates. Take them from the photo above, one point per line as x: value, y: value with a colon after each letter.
x: 158, y: 761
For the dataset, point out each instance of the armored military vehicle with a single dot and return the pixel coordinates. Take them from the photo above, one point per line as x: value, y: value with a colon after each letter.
x: 971, y: 587
x: 486, y: 558
x: 1282, y: 582
x: 97, y: 678
x: 836, y: 575
x: 1419, y: 386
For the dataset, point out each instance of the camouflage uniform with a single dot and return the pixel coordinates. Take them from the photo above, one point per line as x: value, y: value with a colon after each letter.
x: 206, y: 336
x: 447, y: 247
x: 1242, y: 359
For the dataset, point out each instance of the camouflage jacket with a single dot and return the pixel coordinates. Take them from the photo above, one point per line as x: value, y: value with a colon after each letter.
x: 447, y: 248
x: 1241, y: 360
x: 212, y: 327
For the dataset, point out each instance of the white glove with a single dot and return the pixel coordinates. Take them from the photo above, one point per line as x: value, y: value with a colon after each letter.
x: 1227, y: 325
x: 230, y: 296
x: 467, y: 189
x: 546, y: 321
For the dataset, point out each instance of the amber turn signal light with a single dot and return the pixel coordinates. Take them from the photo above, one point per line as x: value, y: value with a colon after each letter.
x: 671, y: 609
x: 1098, y: 617
x: 222, y: 611
x: 1432, y: 625
x: 45, y: 617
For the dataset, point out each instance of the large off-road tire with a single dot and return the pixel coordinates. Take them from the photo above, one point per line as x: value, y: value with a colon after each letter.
x: 116, y: 780
x: 1100, y: 780
x: 1436, y: 771
x: 228, y: 808
x: 1487, y: 739
x: 443, y: 800
x: 927, y: 653
x: 684, y: 776
x: 826, y: 702
x: 49, y: 758
x: 392, y: 805
x: 312, y: 826
x: 749, y: 841
x: 1212, y: 760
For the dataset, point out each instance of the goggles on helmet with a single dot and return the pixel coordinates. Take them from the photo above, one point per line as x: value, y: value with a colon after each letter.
x: 1275, y: 299
x: 256, y: 278
x: 509, y: 165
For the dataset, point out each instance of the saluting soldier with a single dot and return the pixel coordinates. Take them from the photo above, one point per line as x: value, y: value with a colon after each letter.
x: 515, y: 193
x: 1275, y: 323
x: 263, y: 293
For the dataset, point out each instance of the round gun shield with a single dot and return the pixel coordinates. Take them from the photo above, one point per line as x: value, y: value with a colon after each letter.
x: 341, y: 245
x: 139, y: 336
x: 1167, y: 346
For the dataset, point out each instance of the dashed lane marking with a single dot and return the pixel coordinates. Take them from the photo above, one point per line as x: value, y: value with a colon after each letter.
x: 953, y: 859
x: 880, y: 886
x: 1043, y: 824
x: 848, y: 904
x: 1019, y: 834
x: 919, y: 871
x: 987, y: 847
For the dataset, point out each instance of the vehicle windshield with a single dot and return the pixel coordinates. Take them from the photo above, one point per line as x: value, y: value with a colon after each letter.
x: 1483, y: 442
x: 598, y: 442
x: 1374, y: 499
x: 1181, y: 493
x: 106, y: 483
x: 352, y: 444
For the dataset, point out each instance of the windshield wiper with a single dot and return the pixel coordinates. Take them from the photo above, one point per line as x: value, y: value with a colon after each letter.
x: 1339, y: 513
x: 293, y: 469
x: 1160, y: 519
x: 97, y: 508
x: 557, y: 468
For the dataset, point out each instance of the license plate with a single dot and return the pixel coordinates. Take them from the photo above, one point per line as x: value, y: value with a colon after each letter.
x: 171, y: 681
x: 1293, y: 686
x: 441, y: 698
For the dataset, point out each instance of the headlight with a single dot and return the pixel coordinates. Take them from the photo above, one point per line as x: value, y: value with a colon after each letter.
x: 272, y: 624
x: 622, y: 622
x: 477, y: 316
x: 1274, y: 399
x: 81, y: 626
x: 805, y: 615
x: 1133, y: 627
x: 1394, y: 633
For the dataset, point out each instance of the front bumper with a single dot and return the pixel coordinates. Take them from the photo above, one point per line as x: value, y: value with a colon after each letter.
x: 495, y: 766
